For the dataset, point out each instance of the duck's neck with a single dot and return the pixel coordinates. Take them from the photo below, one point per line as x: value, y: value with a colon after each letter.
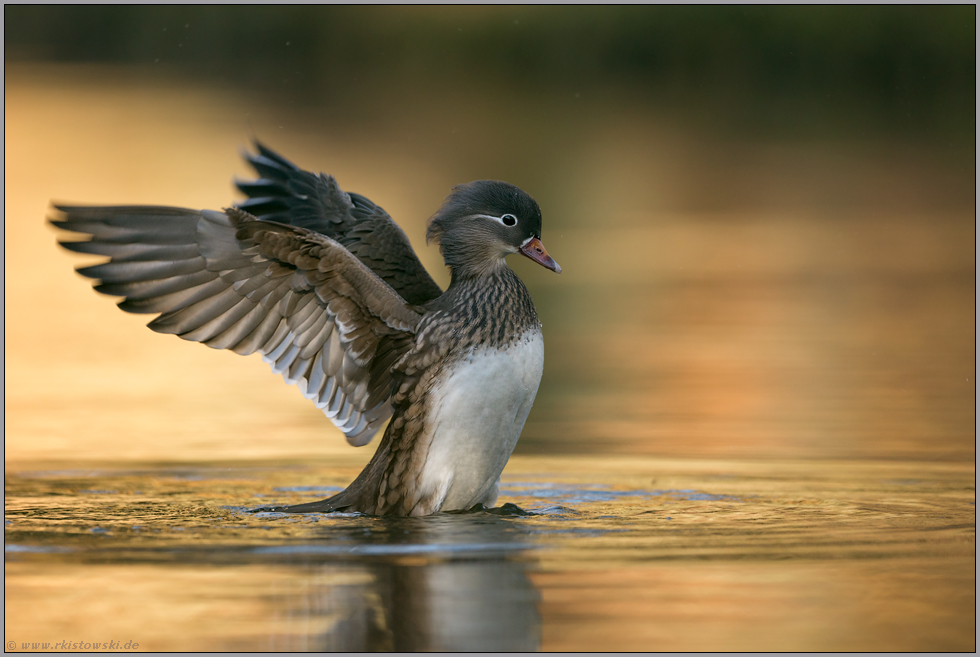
x: 489, y: 270
x: 494, y: 307
x: 489, y: 266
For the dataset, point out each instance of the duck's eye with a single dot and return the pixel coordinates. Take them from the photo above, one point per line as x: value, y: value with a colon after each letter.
x: 508, y: 220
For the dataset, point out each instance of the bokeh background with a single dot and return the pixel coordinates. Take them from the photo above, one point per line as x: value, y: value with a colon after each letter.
x: 765, y: 216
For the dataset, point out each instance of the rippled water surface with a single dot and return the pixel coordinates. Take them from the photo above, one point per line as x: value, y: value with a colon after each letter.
x: 755, y: 429
x: 607, y: 555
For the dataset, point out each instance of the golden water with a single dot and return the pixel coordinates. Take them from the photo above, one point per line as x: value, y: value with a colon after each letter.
x: 755, y: 430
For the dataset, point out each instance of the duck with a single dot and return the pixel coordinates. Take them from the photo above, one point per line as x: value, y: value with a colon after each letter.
x: 326, y: 287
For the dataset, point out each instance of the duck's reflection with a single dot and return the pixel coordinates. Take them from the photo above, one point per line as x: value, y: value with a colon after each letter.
x: 445, y: 583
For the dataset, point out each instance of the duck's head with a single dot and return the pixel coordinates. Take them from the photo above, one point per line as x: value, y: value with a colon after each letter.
x: 482, y: 222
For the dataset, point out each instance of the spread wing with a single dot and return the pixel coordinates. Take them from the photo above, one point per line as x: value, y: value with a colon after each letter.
x: 320, y: 317
x: 289, y: 195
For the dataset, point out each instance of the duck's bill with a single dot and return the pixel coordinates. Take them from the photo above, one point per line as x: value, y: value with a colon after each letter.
x: 535, y: 250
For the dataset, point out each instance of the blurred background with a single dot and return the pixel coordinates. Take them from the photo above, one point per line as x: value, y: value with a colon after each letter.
x: 765, y: 216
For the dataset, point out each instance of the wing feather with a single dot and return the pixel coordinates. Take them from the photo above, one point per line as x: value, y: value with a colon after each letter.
x: 317, y: 314
x: 286, y: 194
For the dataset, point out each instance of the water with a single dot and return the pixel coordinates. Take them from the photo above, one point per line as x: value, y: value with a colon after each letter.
x: 755, y: 429
x: 644, y: 554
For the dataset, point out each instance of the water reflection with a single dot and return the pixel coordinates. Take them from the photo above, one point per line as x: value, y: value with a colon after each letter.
x: 618, y: 555
x: 438, y: 584
x: 337, y: 582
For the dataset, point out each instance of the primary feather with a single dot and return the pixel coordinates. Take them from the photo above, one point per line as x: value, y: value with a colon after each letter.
x: 316, y: 313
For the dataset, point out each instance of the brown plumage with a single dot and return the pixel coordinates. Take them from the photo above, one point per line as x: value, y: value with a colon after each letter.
x: 471, y: 314
x: 317, y: 314
x: 286, y: 194
x: 326, y: 287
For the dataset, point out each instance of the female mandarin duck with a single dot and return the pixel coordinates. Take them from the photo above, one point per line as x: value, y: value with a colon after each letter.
x: 327, y: 288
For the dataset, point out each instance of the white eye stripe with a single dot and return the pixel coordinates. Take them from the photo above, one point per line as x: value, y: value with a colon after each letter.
x: 502, y: 220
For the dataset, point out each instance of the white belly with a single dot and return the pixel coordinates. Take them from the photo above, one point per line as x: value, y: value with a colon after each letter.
x: 478, y: 412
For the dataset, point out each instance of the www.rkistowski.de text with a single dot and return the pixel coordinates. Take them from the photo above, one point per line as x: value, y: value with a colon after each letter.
x: 72, y: 645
